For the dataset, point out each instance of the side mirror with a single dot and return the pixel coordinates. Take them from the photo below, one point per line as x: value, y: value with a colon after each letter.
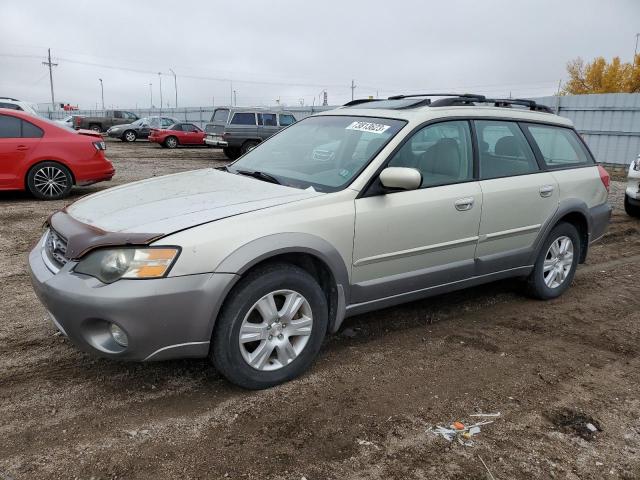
x: 144, y: 125
x: 400, y: 178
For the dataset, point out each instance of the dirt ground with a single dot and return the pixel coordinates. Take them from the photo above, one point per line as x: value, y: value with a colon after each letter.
x: 364, y: 409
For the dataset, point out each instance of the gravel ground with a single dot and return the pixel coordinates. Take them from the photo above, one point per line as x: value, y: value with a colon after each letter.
x: 363, y: 410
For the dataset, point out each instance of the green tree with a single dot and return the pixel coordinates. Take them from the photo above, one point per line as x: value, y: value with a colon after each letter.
x: 602, y: 77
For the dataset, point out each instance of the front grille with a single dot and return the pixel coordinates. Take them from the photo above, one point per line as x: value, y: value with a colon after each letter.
x: 56, y: 249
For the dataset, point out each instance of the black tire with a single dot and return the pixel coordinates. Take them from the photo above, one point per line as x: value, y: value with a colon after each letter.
x: 171, y: 142
x: 61, y: 184
x: 96, y: 128
x: 226, y: 352
x: 129, y: 136
x: 231, y: 153
x: 632, y: 210
x: 248, y: 145
x: 536, y: 285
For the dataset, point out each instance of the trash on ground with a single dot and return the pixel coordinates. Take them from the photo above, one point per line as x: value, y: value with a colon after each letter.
x: 459, y: 431
x: 497, y: 414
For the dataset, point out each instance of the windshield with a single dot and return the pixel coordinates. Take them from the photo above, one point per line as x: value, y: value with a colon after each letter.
x: 324, y: 152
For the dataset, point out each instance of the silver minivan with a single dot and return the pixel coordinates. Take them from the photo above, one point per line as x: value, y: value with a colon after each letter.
x: 351, y: 210
x: 238, y: 130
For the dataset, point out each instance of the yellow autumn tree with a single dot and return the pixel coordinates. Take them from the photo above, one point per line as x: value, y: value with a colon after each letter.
x: 602, y: 77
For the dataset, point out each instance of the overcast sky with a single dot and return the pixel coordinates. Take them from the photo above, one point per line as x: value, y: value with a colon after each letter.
x: 292, y: 50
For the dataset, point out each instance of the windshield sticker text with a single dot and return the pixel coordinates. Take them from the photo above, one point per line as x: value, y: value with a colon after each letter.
x: 368, y: 127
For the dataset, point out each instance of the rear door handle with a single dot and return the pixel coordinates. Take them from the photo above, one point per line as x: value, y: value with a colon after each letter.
x: 22, y: 147
x: 546, y: 190
x: 464, y: 204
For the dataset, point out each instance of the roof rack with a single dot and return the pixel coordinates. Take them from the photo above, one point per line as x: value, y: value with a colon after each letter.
x: 9, y: 98
x: 507, y: 102
x: 462, y: 95
x: 359, y: 101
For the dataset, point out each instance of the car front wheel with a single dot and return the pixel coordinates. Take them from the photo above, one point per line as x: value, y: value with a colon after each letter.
x: 556, y: 264
x: 632, y: 210
x: 271, y: 328
x: 49, y: 181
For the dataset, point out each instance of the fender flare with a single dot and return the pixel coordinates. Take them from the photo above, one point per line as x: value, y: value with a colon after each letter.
x: 566, y: 207
x: 247, y: 256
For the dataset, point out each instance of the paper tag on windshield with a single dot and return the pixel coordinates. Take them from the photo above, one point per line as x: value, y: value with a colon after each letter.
x: 368, y: 127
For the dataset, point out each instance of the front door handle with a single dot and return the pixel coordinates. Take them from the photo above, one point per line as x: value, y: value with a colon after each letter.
x: 546, y: 190
x: 464, y: 204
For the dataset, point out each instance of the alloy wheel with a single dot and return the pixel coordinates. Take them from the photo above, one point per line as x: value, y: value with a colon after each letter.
x: 172, y: 142
x: 50, y: 181
x: 275, y: 330
x: 130, y: 136
x: 558, y: 262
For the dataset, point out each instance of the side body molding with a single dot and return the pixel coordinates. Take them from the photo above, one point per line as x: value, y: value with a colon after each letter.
x: 256, y: 251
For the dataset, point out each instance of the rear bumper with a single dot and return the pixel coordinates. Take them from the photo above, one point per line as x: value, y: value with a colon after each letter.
x: 215, y: 142
x: 599, y: 221
x: 164, y: 318
x: 97, y: 171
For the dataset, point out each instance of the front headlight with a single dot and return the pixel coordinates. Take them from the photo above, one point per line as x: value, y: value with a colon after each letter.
x: 110, y: 265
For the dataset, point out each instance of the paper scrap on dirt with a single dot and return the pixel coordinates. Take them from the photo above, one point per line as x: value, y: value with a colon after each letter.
x: 461, y: 432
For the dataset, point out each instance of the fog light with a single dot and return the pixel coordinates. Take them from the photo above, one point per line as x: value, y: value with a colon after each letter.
x: 118, y: 335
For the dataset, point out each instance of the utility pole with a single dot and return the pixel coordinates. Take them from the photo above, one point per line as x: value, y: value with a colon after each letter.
x: 175, y: 84
x: 235, y: 99
x: 231, y: 90
x: 151, y: 94
x: 102, y: 93
x: 635, y: 52
x: 325, y: 101
x: 353, y: 88
x: 51, y: 65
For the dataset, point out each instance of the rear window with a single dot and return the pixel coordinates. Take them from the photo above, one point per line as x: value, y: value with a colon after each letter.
x: 12, y: 127
x: 244, y: 119
x: 220, y: 115
x: 12, y: 106
x: 560, y: 147
x: 176, y: 126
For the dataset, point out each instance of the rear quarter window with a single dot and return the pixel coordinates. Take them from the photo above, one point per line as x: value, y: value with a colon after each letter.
x: 29, y: 130
x: 560, y: 147
x: 244, y: 119
x: 220, y: 115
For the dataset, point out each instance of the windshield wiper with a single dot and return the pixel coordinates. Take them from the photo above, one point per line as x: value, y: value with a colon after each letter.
x: 259, y: 175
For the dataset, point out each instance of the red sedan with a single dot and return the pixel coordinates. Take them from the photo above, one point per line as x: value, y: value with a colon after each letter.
x: 178, y: 134
x: 47, y: 159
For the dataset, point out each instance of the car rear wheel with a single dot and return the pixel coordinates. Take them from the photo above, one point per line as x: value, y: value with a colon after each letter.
x: 231, y: 153
x: 249, y: 145
x: 632, y: 210
x: 556, y: 264
x: 49, y: 181
x: 271, y: 328
x: 96, y: 128
x: 129, y: 136
x: 171, y: 142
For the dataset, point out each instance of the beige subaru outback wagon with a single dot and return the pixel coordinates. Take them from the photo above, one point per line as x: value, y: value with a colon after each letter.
x: 367, y: 206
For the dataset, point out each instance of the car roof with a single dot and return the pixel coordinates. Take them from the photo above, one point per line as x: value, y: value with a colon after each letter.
x: 422, y: 107
x: 426, y: 113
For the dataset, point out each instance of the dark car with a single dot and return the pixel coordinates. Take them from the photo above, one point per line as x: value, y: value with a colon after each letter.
x: 238, y: 130
x: 104, y: 122
x: 130, y: 132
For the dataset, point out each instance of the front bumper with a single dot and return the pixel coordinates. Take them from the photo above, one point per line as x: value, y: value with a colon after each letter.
x: 114, y: 134
x: 163, y: 318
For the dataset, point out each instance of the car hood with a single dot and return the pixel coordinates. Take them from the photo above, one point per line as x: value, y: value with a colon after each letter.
x: 174, y: 202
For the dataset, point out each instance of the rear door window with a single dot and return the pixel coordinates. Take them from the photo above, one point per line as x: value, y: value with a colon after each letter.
x: 29, y: 130
x: 10, y: 127
x: 244, y: 119
x: 267, y: 119
x: 286, y: 119
x: 503, y: 150
x: 559, y: 147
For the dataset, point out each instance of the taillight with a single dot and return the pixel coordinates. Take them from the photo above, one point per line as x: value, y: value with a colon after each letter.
x: 100, y: 145
x: 604, y: 176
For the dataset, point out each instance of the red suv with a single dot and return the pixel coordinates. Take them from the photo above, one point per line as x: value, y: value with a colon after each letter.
x: 47, y: 159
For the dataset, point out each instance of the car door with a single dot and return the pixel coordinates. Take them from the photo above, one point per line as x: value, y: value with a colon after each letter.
x: 18, y: 140
x: 267, y: 124
x: 242, y: 127
x: 518, y: 196
x: 408, y: 241
x: 189, y: 137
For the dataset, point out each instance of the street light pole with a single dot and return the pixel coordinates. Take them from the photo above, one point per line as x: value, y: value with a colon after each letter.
x: 160, y: 77
x: 102, y: 93
x: 175, y: 84
x: 151, y: 93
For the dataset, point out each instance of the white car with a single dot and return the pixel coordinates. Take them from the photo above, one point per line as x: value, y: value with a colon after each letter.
x: 364, y: 207
x: 632, y: 195
x: 15, y: 104
x: 66, y: 121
